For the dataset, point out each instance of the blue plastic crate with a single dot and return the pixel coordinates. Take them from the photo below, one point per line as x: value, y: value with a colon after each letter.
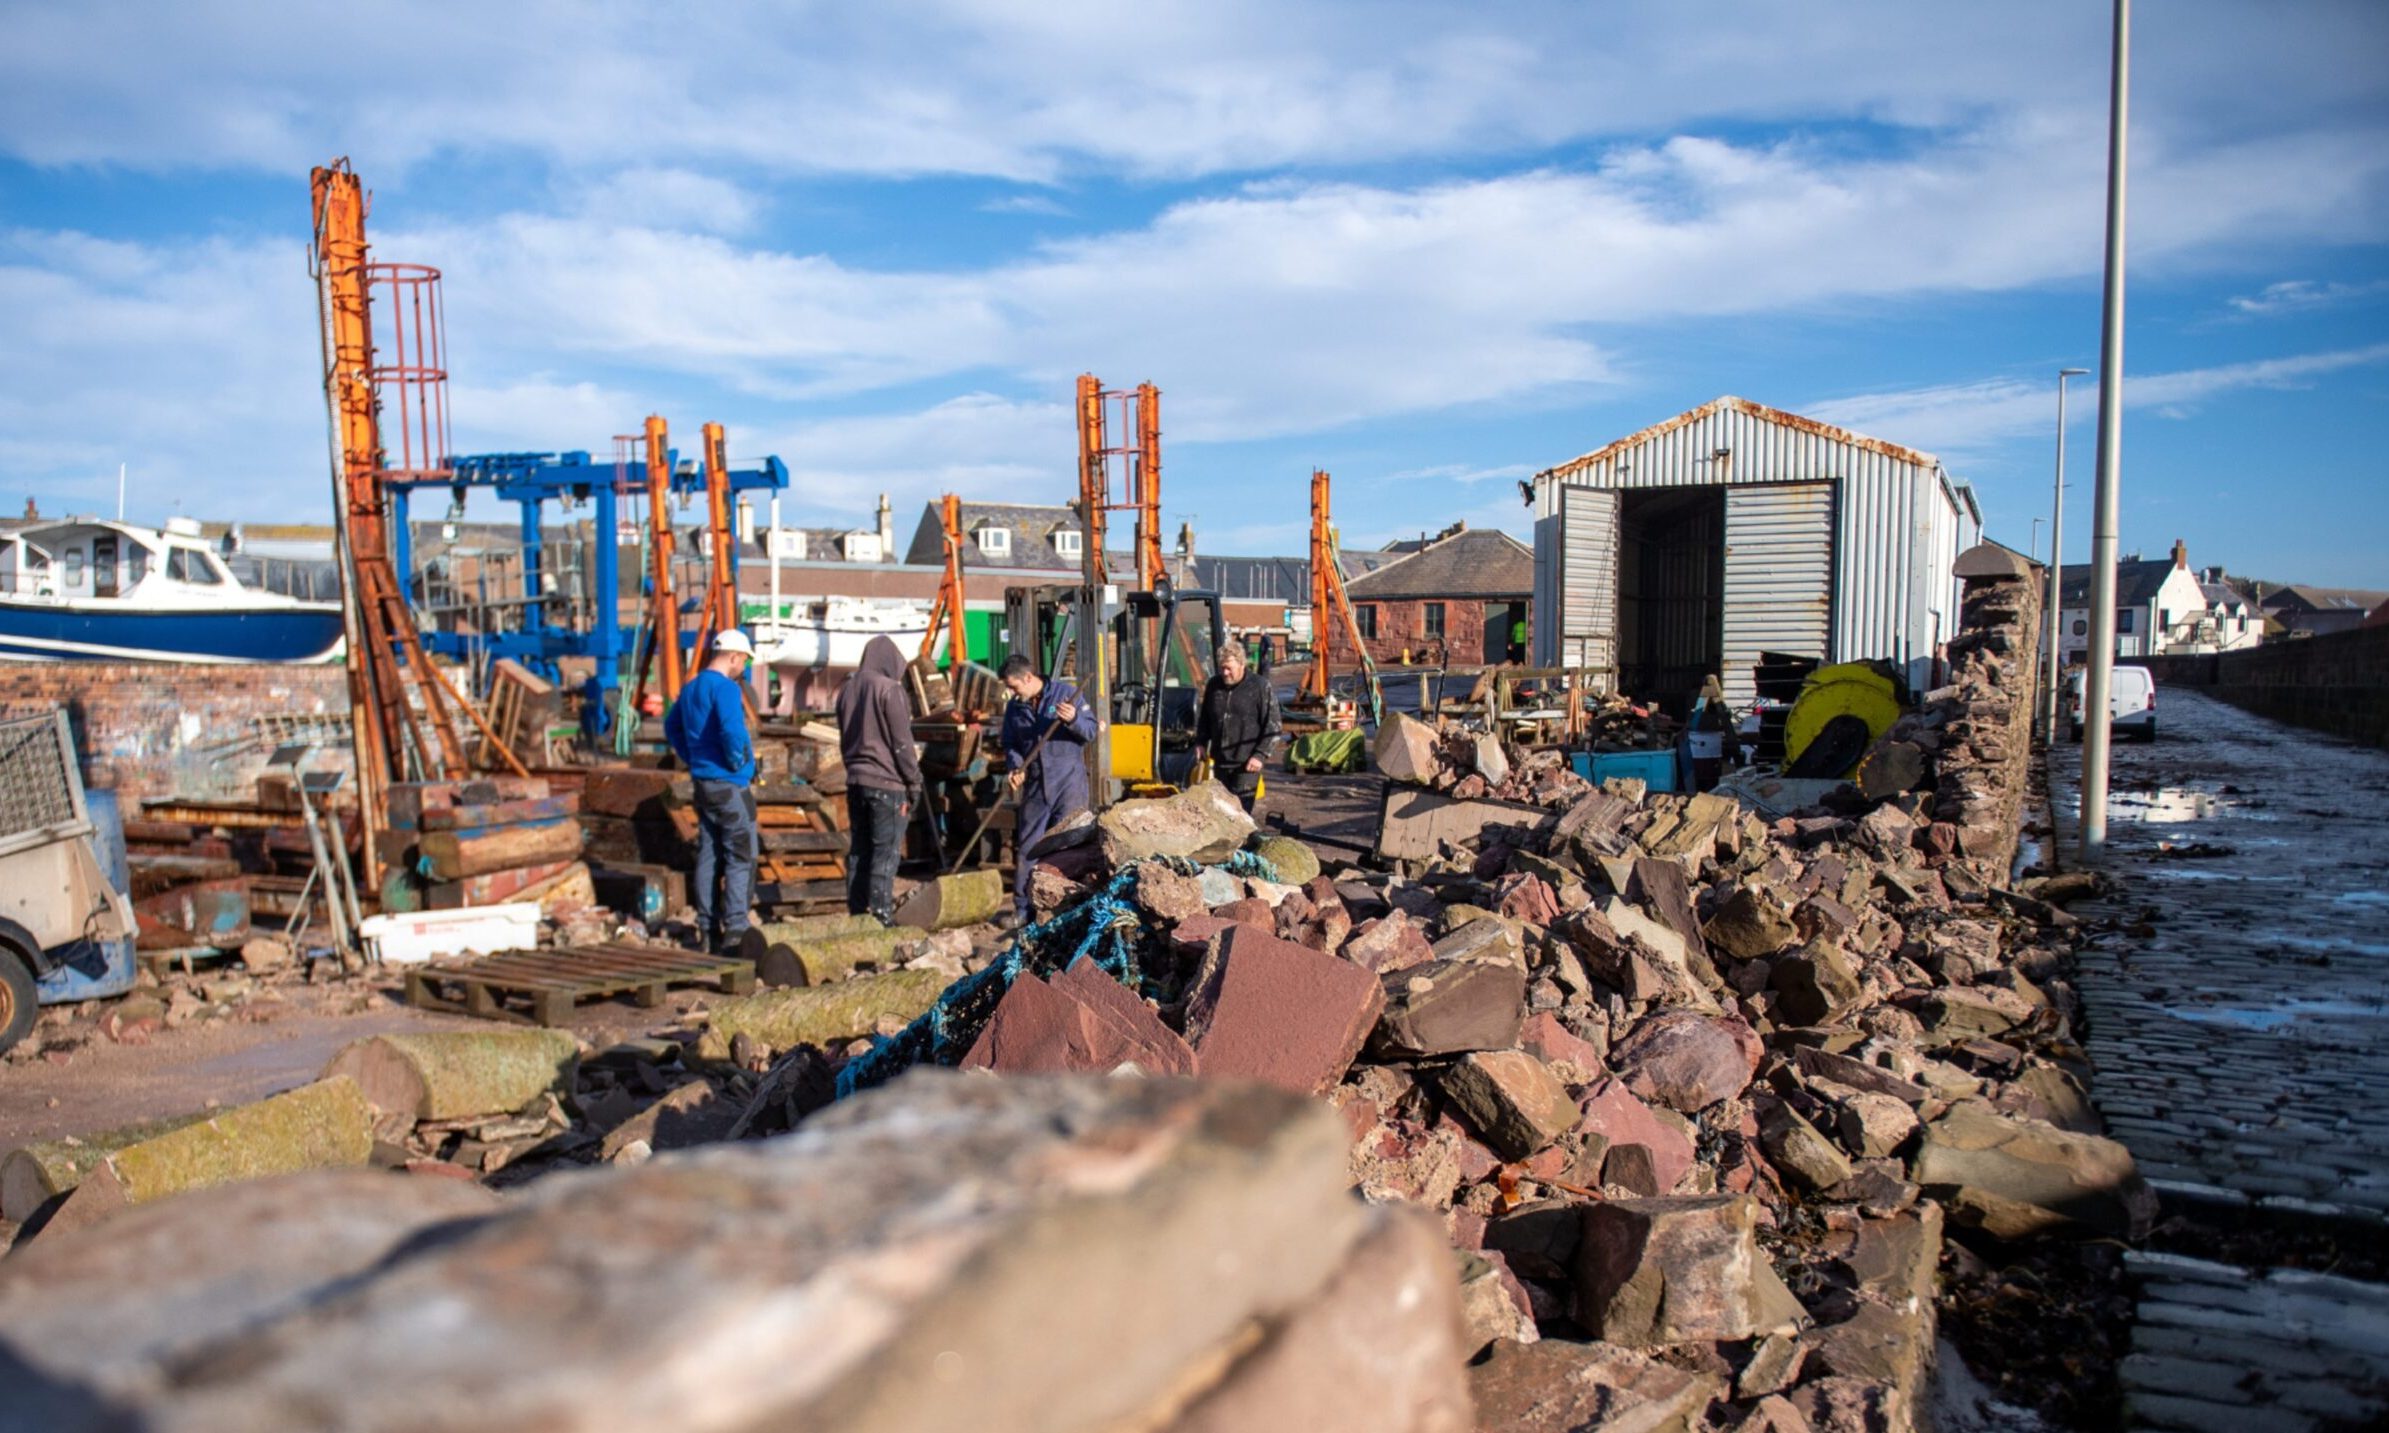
x: 1656, y: 769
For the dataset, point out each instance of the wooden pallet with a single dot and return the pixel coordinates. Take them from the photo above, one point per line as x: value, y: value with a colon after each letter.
x: 552, y: 982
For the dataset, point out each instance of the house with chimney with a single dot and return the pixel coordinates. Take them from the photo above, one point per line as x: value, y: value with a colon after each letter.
x: 2159, y: 608
x: 1455, y: 598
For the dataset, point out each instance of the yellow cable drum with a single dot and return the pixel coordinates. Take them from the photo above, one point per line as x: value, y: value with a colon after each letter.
x: 1852, y: 690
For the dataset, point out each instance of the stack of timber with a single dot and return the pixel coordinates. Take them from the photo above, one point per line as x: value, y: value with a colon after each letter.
x: 203, y: 871
x: 486, y: 841
x: 640, y: 824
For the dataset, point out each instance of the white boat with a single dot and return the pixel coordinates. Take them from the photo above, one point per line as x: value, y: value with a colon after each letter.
x: 830, y: 632
x: 88, y: 589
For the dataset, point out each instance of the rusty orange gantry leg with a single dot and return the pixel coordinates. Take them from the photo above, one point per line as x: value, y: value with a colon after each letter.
x: 721, y: 572
x: 1331, y: 605
x: 663, y: 601
x: 948, y: 612
x: 383, y: 642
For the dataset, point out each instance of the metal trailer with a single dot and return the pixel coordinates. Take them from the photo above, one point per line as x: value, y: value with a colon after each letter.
x: 66, y: 924
x: 1696, y: 544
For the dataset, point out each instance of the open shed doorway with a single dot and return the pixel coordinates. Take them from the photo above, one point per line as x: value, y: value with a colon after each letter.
x: 1671, y: 592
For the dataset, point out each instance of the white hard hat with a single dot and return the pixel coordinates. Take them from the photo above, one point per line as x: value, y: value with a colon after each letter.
x: 733, y: 641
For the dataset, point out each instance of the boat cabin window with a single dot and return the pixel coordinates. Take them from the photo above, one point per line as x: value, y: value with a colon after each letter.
x: 103, y: 565
x: 72, y: 567
x: 185, y: 565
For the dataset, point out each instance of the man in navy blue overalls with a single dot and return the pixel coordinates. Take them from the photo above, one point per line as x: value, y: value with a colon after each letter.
x: 1052, y: 783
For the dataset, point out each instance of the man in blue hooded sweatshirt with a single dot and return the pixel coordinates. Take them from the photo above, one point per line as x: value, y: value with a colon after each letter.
x: 1048, y: 771
x: 707, y: 729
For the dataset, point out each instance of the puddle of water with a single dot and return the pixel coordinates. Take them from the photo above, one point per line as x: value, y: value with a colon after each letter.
x: 2361, y: 898
x: 2171, y: 805
x: 2273, y: 1017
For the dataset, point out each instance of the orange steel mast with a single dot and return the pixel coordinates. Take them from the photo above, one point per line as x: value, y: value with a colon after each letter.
x: 663, y: 603
x: 381, y: 628
x: 1331, y: 605
x: 721, y: 574
x: 1140, y: 465
x: 949, y: 591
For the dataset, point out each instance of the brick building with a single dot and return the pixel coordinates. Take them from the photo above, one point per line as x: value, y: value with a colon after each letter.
x: 1457, y: 595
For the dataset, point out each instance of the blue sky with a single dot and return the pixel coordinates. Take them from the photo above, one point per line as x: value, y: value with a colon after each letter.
x: 1432, y: 248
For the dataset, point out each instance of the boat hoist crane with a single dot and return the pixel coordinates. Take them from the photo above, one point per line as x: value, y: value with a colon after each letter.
x: 1141, y: 656
x: 404, y: 381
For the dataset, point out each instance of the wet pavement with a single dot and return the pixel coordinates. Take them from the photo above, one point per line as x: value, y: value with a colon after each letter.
x: 2240, y: 1020
x: 2236, y: 998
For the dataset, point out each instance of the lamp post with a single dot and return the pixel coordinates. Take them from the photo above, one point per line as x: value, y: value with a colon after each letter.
x: 2057, y: 555
x: 2106, y: 504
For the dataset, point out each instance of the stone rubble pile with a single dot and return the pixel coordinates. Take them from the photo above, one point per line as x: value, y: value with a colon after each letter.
x: 1692, y: 1097
x: 1696, y: 1094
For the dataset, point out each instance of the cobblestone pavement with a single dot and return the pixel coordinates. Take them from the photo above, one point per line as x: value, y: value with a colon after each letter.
x: 2242, y: 1033
x: 2238, y: 1017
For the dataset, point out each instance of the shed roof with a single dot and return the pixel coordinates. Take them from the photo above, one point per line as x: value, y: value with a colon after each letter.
x: 1475, y: 562
x: 1756, y: 410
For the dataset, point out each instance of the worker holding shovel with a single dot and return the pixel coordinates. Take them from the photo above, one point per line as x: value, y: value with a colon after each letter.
x: 1047, y: 726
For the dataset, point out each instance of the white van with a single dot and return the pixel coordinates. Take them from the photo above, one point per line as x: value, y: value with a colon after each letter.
x: 2131, y: 700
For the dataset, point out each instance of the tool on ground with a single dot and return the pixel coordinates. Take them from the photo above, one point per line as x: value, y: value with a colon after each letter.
x: 945, y: 858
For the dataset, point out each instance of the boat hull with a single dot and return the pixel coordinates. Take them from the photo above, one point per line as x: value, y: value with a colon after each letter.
x: 796, y: 646
x: 57, y: 632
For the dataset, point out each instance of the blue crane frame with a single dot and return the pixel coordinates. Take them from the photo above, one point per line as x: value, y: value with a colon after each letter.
x: 530, y: 481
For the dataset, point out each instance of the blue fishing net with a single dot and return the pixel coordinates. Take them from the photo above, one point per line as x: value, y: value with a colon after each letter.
x: 1105, y: 926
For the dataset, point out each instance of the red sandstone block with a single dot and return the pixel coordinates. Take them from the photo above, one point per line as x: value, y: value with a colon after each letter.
x: 1040, y: 1028
x: 1268, y: 1009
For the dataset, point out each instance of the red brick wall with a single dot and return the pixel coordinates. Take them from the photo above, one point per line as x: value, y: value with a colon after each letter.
x: 1403, y: 625
x: 154, y: 729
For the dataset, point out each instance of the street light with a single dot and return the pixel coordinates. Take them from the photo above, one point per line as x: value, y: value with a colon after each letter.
x: 2106, y: 504
x: 2057, y: 551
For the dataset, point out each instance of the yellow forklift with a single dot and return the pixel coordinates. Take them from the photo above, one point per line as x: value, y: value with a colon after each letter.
x: 1142, y: 664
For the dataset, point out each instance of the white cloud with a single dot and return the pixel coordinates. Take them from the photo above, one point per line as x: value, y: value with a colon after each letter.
x: 2301, y: 296
x: 1044, y: 205
x: 988, y: 447
x: 1962, y: 420
x: 668, y: 198
x: 1174, y: 89
x: 1290, y: 307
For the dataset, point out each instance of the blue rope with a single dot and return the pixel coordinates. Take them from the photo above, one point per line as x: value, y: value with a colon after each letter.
x: 1104, y: 926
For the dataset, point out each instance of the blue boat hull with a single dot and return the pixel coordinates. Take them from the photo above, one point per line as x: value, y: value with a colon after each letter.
x: 44, y: 632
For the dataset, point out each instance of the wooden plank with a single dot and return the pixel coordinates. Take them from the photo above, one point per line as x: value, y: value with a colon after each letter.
x: 780, y: 843
x: 500, y: 813
x: 454, y: 855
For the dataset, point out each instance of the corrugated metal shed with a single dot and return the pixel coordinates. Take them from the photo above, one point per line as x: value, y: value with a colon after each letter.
x: 1896, y: 519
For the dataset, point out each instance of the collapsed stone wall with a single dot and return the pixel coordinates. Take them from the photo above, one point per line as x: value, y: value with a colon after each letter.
x: 1983, y: 754
x: 152, y: 729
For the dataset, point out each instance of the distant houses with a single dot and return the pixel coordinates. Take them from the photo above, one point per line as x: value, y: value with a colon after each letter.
x: 2307, y: 611
x: 1459, y: 598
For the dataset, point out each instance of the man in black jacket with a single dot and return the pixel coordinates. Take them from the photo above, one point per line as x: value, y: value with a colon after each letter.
x: 1238, y: 727
x: 883, y: 776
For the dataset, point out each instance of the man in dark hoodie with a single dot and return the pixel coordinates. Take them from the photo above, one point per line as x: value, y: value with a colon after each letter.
x: 883, y: 776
